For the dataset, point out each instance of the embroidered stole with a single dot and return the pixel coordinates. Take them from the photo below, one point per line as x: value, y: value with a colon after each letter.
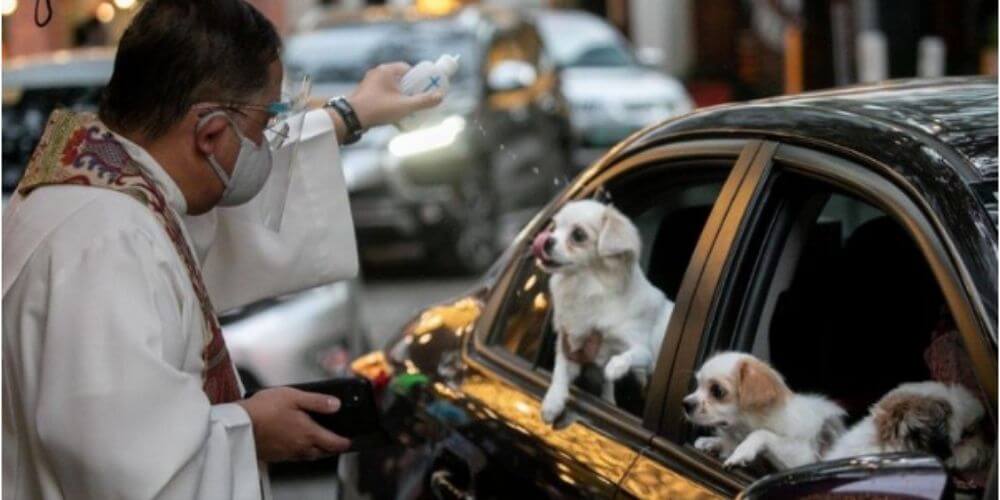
x: 76, y: 148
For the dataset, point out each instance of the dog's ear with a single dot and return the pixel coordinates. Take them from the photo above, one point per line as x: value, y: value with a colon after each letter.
x: 618, y: 236
x: 759, y: 385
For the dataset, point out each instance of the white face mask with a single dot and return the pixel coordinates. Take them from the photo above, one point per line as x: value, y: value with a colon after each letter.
x: 253, y: 166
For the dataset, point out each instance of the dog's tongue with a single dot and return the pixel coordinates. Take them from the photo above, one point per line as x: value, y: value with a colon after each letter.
x: 538, y: 246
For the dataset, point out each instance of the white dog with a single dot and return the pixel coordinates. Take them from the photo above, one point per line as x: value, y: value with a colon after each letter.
x: 754, y: 413
x: 932, y: 417
x: 605, y: 310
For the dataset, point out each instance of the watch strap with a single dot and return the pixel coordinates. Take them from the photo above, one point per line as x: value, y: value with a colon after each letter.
x: 350, y: 118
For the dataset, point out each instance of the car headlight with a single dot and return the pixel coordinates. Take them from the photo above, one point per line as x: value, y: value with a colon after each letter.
x: 427, y: 139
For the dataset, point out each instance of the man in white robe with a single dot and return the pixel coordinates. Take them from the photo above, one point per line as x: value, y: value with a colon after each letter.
x: 104, y: 389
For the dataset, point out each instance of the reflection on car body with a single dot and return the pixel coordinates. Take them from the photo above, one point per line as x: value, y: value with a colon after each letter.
x: 830, y: 234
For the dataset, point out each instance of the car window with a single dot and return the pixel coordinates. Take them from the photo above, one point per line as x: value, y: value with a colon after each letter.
x: 837, y: 297
x: 669, y: 207
x: 582, y: 40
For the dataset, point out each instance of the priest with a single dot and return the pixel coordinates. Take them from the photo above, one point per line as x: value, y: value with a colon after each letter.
x: 194, y: 189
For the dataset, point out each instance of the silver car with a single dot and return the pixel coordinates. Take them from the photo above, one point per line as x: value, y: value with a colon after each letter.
x: 295, y: 338
x: 611, y: 92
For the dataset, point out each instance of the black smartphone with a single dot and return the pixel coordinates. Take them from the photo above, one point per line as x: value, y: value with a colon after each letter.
x: 357, y: 419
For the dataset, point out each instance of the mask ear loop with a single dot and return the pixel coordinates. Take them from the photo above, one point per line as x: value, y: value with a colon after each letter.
x: 41, y: 23
x: 223, y: 176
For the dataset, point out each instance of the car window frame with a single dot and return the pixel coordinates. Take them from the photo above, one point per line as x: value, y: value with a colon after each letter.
x: 872, y: 182
x: 511, y: 367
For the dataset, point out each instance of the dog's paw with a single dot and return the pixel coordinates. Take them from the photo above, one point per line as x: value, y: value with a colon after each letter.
x: 709, y: 444
x: 552, y: 407
x: 742, y: 456
x: 616, y: 368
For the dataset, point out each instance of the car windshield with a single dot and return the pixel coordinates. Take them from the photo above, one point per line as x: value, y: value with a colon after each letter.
x: 583, y: 41
x: 343, y: 54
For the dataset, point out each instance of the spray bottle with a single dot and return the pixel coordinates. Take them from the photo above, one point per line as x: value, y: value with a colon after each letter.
x: 426, y: 77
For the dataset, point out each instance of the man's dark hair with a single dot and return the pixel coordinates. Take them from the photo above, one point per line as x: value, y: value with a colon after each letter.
x: 180, y: 52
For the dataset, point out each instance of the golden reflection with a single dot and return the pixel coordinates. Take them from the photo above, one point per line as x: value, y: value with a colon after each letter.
x: 648, y: 479
x: 371, y: 365
x: 601, y: 454
x: 445, y: 390
x: 410, y: 367
x: 541, y: 303
x: 454, y: 316
x: 528, y: 285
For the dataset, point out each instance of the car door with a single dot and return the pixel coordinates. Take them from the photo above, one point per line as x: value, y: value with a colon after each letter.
x: 669, y: 192
x: 832, y: 274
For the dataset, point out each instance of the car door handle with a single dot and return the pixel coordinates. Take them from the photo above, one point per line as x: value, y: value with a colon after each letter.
x: 444, y: 489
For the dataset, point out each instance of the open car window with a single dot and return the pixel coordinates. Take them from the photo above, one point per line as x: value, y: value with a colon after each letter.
x: 837, y: 296
x: 669, y: 207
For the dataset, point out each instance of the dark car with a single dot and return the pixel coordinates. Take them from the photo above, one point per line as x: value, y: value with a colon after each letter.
x: 455, y: 190
x: 847, y: 237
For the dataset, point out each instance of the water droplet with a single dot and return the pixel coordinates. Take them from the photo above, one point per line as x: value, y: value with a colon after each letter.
x: 535, y: 170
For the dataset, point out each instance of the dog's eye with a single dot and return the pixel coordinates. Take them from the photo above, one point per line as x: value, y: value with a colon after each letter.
x: 578, y: 235
x: 717, y: 391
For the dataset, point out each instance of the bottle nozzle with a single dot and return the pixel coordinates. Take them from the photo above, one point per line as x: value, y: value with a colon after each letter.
x: 448, y: 64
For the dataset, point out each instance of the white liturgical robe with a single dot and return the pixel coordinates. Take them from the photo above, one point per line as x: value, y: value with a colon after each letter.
x: 103, y: 335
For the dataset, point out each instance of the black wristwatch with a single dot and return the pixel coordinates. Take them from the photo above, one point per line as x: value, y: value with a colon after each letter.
x: 346, y: 112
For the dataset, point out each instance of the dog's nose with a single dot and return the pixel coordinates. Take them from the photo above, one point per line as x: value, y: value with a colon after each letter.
x: 690, y: 405
x: 549, y: 243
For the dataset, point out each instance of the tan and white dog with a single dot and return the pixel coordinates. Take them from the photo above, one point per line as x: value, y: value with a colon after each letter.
x: 754, y: 414
x: 943, y: 420
x: 605, y: 310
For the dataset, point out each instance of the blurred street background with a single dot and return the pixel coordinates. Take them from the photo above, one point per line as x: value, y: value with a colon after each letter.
x: 544, y: 88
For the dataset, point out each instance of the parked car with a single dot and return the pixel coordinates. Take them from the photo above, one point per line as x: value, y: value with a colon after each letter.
x: 612, y: 92
x: 296, y: 338
x: 455, y: 190
x: 848, y: 237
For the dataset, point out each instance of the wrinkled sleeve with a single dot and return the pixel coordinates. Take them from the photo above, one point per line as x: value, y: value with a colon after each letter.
x: 117, y: 417
x: 248, y: 261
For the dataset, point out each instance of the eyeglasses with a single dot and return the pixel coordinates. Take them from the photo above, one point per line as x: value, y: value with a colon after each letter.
x: 275, y: 126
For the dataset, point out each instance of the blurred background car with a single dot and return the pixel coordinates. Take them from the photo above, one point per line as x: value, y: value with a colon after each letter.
x: 455, y: 190
x: 612, y: 89
x: 33, y: 86
x: 295, y: 338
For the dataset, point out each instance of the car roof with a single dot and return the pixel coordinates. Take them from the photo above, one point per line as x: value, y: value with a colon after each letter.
x: 953, y: 118
x: 937, y: 139
x: 63, y: 68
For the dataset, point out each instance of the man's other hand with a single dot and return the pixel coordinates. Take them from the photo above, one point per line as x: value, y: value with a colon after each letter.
x: 378, y: 101
x: 282, y: 429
